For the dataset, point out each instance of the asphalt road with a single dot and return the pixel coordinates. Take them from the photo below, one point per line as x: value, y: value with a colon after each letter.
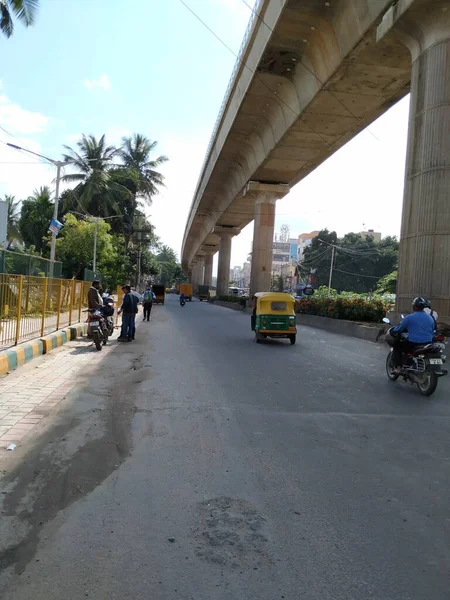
x: 197, y: 465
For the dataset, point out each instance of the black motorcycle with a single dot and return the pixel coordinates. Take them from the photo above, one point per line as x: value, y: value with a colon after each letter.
x: 422, y: 366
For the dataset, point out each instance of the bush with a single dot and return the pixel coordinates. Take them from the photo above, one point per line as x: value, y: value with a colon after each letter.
x: 232, y: 298
x: 350, y: 309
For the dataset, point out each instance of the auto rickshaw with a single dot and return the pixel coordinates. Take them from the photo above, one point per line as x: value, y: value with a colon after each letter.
x: 274, y: 316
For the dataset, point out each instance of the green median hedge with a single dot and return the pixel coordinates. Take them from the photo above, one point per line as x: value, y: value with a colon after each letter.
x: 349, y: 309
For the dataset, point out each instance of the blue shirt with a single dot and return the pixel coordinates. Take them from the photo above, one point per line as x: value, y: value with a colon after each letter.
x: 419, y: 325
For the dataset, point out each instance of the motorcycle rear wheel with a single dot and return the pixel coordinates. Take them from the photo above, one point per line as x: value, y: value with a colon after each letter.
x: 97, y: 340
x: 429, y: 385
x: 390, y: 368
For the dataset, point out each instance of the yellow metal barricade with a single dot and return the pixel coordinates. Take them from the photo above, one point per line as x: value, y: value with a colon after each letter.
x: 34, y: 306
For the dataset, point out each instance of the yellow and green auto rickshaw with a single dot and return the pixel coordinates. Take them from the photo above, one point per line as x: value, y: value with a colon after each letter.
x: 274, y: 316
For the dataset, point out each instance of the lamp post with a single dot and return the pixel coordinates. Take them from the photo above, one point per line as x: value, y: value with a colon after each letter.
x: 58, y: 164
x: 96, y: 220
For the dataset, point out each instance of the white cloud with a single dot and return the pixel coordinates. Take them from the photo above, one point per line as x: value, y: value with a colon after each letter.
x: 21, y: 173
x: 170, y: 207
x: 102, y: 82
x: 18, y: 120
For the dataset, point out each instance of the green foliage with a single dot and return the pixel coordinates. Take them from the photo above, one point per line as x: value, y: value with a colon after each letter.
x: 35, y: 217
x: 169, y: 270
x: 75, y: 247
x: 359, y: 262
x: 387, y: 284
x: 24, y: 10
x: 350, y: 309
x: 109, y: 183
x: 135, y: 154
x: 231, y: 298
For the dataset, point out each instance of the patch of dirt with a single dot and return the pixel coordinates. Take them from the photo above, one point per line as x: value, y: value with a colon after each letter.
x: 66, y: 464
x: 231, y: 533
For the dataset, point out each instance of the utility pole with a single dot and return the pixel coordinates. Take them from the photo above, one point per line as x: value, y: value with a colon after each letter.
x: 331, y: 270
x: 94, y: 260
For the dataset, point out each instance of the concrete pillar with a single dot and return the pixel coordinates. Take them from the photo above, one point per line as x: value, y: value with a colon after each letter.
x: 209, y: 259
x: 223, y: 269
x: 265, y: 196
x: 424, y: 259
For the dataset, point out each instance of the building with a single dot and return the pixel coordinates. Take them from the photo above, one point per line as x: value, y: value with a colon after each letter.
x: 305, y: 240
x: 293, y: 253
x: 376, y: 235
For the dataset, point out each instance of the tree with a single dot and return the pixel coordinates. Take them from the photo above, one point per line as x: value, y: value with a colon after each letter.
x: 75, y: 246
x: 35, y: 217
x: 13, y: 231
x: 387, y: 284
x: 23, y: 10
x: 96, y: 192
x: 169, y: 268
x: 135, y: 154
x: 358, y: 262
x: 166, y: 254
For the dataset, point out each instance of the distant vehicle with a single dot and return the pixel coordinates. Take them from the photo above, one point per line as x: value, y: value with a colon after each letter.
x: 160, y: 293
x: 186, y: 289
x: 235, y: 291
x: 203, y: 292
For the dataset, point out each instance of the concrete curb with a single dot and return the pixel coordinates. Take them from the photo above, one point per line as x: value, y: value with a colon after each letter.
x: 16, y: 357
x: 350, y: 328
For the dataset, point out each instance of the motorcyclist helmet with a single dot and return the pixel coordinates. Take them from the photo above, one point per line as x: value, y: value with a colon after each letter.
x: 427, y: 303
x: 419, y: 303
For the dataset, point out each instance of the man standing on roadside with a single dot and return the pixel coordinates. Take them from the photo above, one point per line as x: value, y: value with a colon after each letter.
x: 94, y: 297
x: 148, y: 303
x: 128, y: 311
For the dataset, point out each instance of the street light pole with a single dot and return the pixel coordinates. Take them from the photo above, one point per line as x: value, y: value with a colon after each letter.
x: 58, y: 164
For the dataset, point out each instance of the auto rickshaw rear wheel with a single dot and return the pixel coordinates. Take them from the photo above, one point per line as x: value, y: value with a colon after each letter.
x: 292, y: 339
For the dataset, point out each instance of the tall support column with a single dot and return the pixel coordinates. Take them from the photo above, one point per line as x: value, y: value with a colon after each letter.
x: 265, y: 196
x: 424, y: 258
x: 209, y: 259
x: 223, y: 269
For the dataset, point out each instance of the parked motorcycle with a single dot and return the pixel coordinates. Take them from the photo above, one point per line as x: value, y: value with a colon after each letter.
x: 423, y: 366
x: 108, y: 313
x: 97, y: 327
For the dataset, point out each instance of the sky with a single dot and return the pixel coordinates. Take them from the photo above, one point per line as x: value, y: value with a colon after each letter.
x: 96, y: 67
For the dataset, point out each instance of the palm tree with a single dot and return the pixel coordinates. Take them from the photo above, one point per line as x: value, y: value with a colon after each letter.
x: 13, y: 231
x: 24, y: 10
x: 95, y: 191
x: 135, y: 154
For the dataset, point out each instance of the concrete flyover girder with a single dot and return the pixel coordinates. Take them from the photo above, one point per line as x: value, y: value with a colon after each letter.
x: 310, y: 77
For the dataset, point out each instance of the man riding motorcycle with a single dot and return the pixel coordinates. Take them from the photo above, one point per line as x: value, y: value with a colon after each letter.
x: 420, y: 327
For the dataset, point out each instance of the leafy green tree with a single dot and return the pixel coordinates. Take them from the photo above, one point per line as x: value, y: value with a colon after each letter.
x: 23, y: 10
x: 135, y: 154
x: 75, y: 246
x: 13, y: 230
x: 387, y: 284
x: 35, y: 217
x: 358, y: 262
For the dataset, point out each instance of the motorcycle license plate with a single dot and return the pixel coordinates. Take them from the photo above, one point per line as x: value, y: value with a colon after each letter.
x: 94, y: 325
x: 435, y: 361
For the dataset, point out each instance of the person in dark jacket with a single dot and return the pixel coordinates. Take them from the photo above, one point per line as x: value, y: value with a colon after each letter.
x: 94, y: 297
x: 128, y: 311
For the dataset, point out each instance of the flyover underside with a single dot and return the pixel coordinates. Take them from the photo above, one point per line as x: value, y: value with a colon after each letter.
x: 321, y: 79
